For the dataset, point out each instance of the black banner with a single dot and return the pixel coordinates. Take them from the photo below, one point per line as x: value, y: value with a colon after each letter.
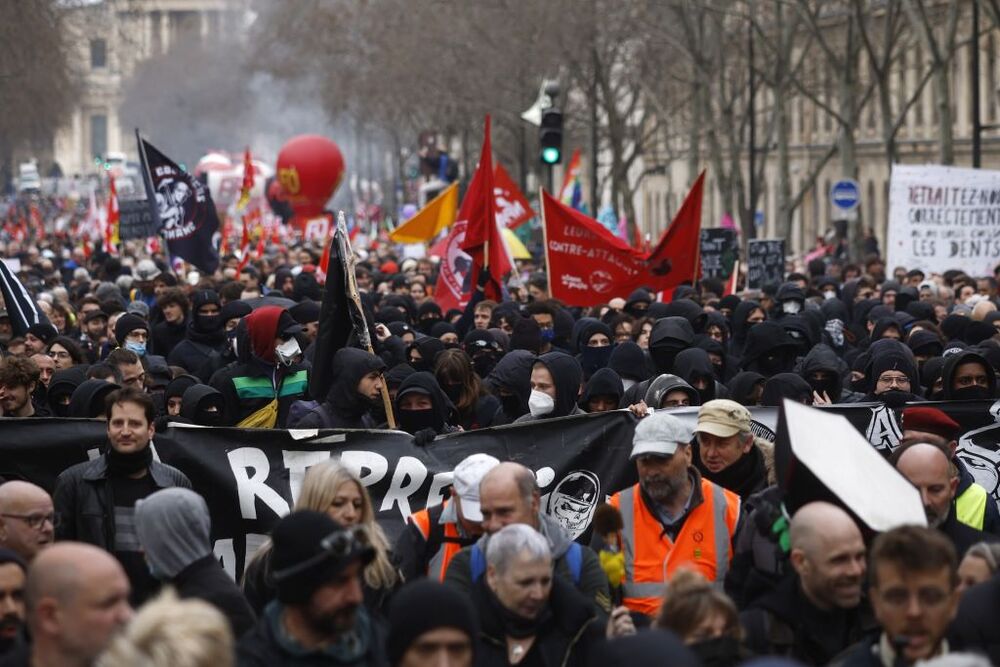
x: 765, y: 262
x: 719, y: 251
x: 187, y: 216
x: 137, y: 219
x: 250, y: 477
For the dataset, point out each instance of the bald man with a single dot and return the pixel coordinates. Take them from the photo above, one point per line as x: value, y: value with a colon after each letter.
x: 509, y: 494
x: 26, y: 519
x: 815, y: 612
x: 929, y: 468
x: 77, y: 600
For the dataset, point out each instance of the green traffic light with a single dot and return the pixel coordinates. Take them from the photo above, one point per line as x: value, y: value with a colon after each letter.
x: 550, y: 155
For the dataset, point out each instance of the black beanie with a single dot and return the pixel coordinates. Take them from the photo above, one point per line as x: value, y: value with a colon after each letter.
x: 527, y: 335
x: 426, y: 605
x: 128, y: 323
x: 43, y: 332
x: 297, y: 539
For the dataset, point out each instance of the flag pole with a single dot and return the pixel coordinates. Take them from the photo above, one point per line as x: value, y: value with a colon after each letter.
x: 545, y: 241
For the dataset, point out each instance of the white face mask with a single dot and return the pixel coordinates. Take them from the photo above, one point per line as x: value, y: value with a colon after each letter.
x: 540, y: 404
x: 791, y: 307
x: 287, y: 351
x: 830, y: 294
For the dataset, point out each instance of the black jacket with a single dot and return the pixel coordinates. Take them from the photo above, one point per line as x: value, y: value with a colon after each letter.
x: 84, y: 506
x: 785, y: 623
x: 567, y: 375
x: 961, y: 535
x: 200, y: 353
x: 569, y: 634
x: 206, y: 580
x: 975, y: 625
x: 344, y: 407
x: 512, y: 374
x: 167, y: 336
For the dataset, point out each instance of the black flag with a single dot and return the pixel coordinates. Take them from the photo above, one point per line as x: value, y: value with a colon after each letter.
x: 188, y: 219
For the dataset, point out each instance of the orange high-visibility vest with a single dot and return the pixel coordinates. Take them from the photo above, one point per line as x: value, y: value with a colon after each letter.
x: 704, y: 543
x: 451, y: 545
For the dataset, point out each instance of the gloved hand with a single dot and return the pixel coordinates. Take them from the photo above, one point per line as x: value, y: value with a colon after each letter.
x: 424, y: 437
x: 484, y: 277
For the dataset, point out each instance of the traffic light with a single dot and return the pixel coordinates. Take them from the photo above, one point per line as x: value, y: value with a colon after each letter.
x: 550, y: 136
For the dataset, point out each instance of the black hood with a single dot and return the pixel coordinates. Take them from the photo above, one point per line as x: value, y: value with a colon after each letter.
x: 604, y: 382
x: 62, y: 384
x: 350, y: 364
x: 567, y: 375
x: 630, y: 362
x: 87, y: 401
x: 670, y: 335
x: 665, y: 384
x: 588, y: 328
x: 835, y: 309
x: 513, y: 373
x: 786, y: 385
x: 742, y: 386
x: 951, y: 364
x: 740, y: 326
x: 882, y: 325
x: 886, y: 354
x: 425, y: 383
x: 196, y: 399
x: 767, y: 339
x: 429, y: 349
x: 690, y: 311
x: 692, y: 364
x: 823, y: 358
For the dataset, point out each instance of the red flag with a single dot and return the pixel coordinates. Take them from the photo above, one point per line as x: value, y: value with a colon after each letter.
x: 36, y: 222
x: 512, y: 207
x: 111, y: 237
x: 483, y: 241
x: 245, y: 239
x: 675, y: 258
x: 248, y: 178
x: 454, y: 279
x: 733, y: 281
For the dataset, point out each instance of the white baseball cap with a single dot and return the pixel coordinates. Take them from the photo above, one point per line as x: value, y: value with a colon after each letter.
x: 660, y: 433
x: 465, y: 482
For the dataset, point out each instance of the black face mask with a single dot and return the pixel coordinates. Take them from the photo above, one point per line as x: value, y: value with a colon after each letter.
x: 637, y: 313
x: 663, y: 357
x: 828, y: 385
x: 708, y: 393
x: 972, y: 393
x: 427, y: 324
x: 720, y: 372
x: 59, y: 409
x: 209, y: 323
x: 412, y: 421
x: 594, y: 359
x: 896, y: 398
x: 512, y: 406
x: 206, y: 418
x: 483, y: 364
x: 771, y: 364
x: 420, y: 365
x: 717, y: 652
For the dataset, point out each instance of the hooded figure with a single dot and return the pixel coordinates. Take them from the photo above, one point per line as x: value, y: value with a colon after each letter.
x: 638, y: 303
x: 87, y: 401
x: 694, y: 367
x: 202, y: 405
x: 602, y: 392
x: 953, y: 327
x: 436, y: 418
x: 690, y: 311
x: 891, y: 359
x: 743, y: 388
x: 61, y: 388
x: 769, y: 350
x: 174, y: 531
x: 835, y: 331
x: 956, y: 386
x: 205, y: 340
x: 510, y: 381
x: 670, y: 335
x: 786, y: 385
x: 790, y: 300
x: 427, y: 348
x: 825, y: 371
x: 567, y: 376
x: 741, y: 327
x: 716, y: 351
x: 527, y: 335
x: 631, y: 363
x: 261, y: 386
x: 428, y: 314
x: 592, y: 359
x: 661, y: 387
x: 344, y: 407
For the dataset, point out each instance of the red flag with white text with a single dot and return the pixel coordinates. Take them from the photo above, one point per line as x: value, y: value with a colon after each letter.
x: 512, y: 207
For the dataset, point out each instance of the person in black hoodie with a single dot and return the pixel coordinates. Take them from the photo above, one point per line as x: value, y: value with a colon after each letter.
x: 769, y: 350
x: 631, y: 363
x: 786, y: 385
x: 891, y: 375
x: 595, y: 344
x: 61, y: 388
x: 510, y: 381
x: 967, y: 376
x: 423, y: 352
x: 354, y: 391
x: 556, y: 380
x: 169, y: 332
x: 670, y: 335
x: 202, y: 405
x: 695, y: 367
x: 87, y: 401
x: 824, y: 371
x: 747, y: 315
x: 423, y: 409
x: 200, y: 352
x: 746, y: 388
x: 602, y: 392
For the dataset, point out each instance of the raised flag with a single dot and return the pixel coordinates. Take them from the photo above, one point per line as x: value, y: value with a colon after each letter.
x: 483, y: 241
x: 187, y: 216
x: 429, y: 221
x: 512, y: 207
x: 248, y: 177
x: 675, y: 258
x: 733, y: 280
x: 112, y: 237
x: 571, y: 192
x: 455, y: 274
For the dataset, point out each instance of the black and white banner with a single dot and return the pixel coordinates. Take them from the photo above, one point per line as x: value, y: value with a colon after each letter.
x: 251, y: 477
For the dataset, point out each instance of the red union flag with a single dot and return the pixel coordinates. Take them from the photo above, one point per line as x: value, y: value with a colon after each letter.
x: 512, y: 207
x: 453, y: 289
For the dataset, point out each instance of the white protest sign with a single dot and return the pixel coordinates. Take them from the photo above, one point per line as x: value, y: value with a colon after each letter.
x: 944, y: 218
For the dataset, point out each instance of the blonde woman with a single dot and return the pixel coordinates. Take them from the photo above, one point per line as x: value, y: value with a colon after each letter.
x: 330, y: 487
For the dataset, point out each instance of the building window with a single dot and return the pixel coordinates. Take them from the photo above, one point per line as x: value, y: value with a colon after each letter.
x: 98, y: 54
x: 98, y: 135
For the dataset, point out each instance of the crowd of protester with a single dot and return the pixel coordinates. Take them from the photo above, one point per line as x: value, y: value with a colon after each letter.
x: 704, y: 561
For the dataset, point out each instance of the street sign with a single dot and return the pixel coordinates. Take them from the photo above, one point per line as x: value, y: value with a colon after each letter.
x: 845, y: 195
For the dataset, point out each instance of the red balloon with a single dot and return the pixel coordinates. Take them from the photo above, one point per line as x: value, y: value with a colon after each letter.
x: 310, y: 168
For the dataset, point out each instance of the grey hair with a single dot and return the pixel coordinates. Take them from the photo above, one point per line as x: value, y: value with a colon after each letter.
x: 511, y: 541
x: 527, y: 485
x: 987, y: 552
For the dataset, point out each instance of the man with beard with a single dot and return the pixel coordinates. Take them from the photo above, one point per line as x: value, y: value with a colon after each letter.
x: 672, y: 518
x: 13, y: 572
x: 726, y: 451
x: 26, y: 519
x: 816, y: 611
x: 318, y: 616
x: 927, y: 467
x: 18, y: 379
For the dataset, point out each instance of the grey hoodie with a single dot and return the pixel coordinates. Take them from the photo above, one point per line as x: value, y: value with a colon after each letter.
x: 173, y: 528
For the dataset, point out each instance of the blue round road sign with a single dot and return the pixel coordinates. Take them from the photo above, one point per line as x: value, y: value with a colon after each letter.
x: 845, y: 194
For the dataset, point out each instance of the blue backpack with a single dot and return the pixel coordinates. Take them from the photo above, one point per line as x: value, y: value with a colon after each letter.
x: 574, y: 560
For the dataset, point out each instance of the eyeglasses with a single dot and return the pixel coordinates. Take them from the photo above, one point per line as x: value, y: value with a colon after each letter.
x: 889, y: 380
x: 338, y: 544
x: 35, y: 521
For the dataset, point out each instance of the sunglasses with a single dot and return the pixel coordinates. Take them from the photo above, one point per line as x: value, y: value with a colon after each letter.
x: 338, y: 544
